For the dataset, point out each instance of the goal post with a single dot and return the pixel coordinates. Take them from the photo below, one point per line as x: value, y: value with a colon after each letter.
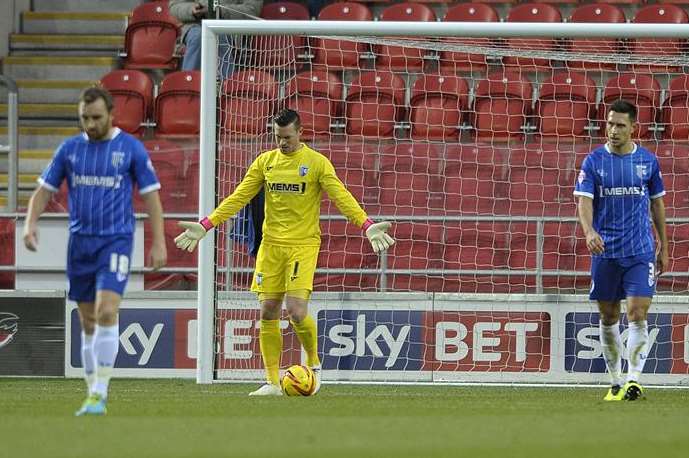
x: 469, y: 293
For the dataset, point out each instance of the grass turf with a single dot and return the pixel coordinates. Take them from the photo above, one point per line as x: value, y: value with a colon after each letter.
x: 174, y: 418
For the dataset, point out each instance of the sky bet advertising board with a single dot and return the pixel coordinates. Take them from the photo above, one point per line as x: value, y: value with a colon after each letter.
x: 395, y: 337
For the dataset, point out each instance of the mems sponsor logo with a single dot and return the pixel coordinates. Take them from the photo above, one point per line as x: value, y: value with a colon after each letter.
x: 621, y: 191
x: 95, y: 180
x: 287, y: 188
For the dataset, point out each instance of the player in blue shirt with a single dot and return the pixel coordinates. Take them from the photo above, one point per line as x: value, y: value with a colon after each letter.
x: 617, y: 184
x: 101, y: 167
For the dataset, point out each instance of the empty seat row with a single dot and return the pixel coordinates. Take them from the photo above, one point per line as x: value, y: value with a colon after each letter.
x: 439, y: 106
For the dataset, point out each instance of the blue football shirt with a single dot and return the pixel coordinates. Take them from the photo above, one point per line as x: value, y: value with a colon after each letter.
x: 621, y: 188
x: 100, y: 180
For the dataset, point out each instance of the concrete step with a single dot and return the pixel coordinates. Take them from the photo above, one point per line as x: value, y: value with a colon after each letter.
x: 40, y: 137
x: 48, y: 91
x: 58, y: 67
x: 67, y: 22
x: 25, y: 180
x: 66, y: 111
x: 83, y: 5
x: 32, y: 161
x: 22, y: 43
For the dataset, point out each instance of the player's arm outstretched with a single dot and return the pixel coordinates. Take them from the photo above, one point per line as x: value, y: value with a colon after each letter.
x: 377, y: 233
x: 245, y: 191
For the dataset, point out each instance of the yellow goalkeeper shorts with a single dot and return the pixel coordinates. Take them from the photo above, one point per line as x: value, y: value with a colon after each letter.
x: 280, y: 269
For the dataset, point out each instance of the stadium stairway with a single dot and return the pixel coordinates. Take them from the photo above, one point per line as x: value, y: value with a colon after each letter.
x: 62, y: 48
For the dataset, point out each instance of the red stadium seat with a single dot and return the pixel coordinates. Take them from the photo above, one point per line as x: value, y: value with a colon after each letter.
x: 247, y: 102
x: 337, y: 54
x: 541, y: 192
x: 280, y: 50
x: 641, y: 90
x: 475, y: 191
x: 555, y: 156
x: 566, y: 105
x: 502, y: 103
x: 437, y: 102
x: 532, y: 12
x: 416, y: 157
x: 7, y: 252
x: 355, y: 164
x: 417, y: 246
x: 461, y: 61
x: 175, y: 258
x: 151, y: 37
x: 317, y: 96
x: 398, y: 57
x: 177, y: 107
x: 678, y: 241
x: 675, y: 111
x: 595, y: 13
x: 475, y: 245
x: 564, y: 248
x: 658, y: 47
x: 375, y: 102
x: 132, y: 93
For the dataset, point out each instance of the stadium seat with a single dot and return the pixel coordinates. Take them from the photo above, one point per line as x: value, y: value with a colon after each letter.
x: 639, y: 89
x: 339, y: 54
x: 453, y: 61
x: 532, y: 12
x: 7, y: 252
x: 132, y: 93
x: 595, y: 13
x: 475, y: 245
x: 408, y: 59
x: 355, y: 164
x: 566, y: 105
x: 675, y: 110
x: 175, y: 258
x: 437, y: 103
x: 471, y: 190
x: 416, y: 157
x: 418, y: 246
x: 375, y: 102
x: 171, y: 163
x: 564, y: 248
x: 658, y: 47
x: 548, y: 156
x: 248, y: 102
x: 344, y: 246
x: 177, y: 107
x: 151, y: 37
x: 678, y: 244
x: 536, y: 191
x: 280, y: 50
x: 317, y: 96
x: 502, y: 103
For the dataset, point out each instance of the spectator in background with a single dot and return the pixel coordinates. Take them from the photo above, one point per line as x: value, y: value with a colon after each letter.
x: 191, y: 13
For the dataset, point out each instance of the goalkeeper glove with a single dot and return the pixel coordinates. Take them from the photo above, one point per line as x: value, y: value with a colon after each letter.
x: 194, y: 232
x: 378, y: 236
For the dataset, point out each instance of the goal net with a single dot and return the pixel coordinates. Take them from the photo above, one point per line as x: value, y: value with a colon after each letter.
x: 471, y: 146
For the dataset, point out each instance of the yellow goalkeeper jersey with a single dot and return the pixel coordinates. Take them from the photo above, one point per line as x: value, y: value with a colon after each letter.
x: 293, y: 187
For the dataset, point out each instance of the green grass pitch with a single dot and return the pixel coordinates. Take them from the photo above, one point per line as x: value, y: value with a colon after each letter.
x: 174, y: 418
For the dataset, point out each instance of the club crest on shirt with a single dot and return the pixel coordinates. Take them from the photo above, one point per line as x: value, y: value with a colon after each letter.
x: 602, y: 173
x: 259, y: 278
x: 582, y: 176
x: 303, y: 170
x: 117, y: 158
x: 641, y: 171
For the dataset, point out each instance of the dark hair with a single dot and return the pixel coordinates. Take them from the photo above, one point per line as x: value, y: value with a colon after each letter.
x: 286, y: 117
x: 91, y: 94
x: 622, y: 106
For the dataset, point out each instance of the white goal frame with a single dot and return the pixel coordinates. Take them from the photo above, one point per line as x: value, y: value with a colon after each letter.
x: 212, y: 28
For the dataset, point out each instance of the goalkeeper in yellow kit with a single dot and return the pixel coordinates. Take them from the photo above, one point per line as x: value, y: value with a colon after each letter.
x: 293, y: 176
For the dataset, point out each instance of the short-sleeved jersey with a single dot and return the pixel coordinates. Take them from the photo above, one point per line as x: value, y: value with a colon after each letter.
x: 293, y: 186
x: 100, y: 179
x: 621, y: 187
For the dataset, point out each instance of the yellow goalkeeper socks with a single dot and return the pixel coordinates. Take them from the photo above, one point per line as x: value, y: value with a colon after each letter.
x: 270, y: 338
x: 308, y: 336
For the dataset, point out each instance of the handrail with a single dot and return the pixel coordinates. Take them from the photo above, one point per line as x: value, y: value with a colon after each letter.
x: 13, y: 140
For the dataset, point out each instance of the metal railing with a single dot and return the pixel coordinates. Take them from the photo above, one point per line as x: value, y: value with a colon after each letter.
x: 12, y: 146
